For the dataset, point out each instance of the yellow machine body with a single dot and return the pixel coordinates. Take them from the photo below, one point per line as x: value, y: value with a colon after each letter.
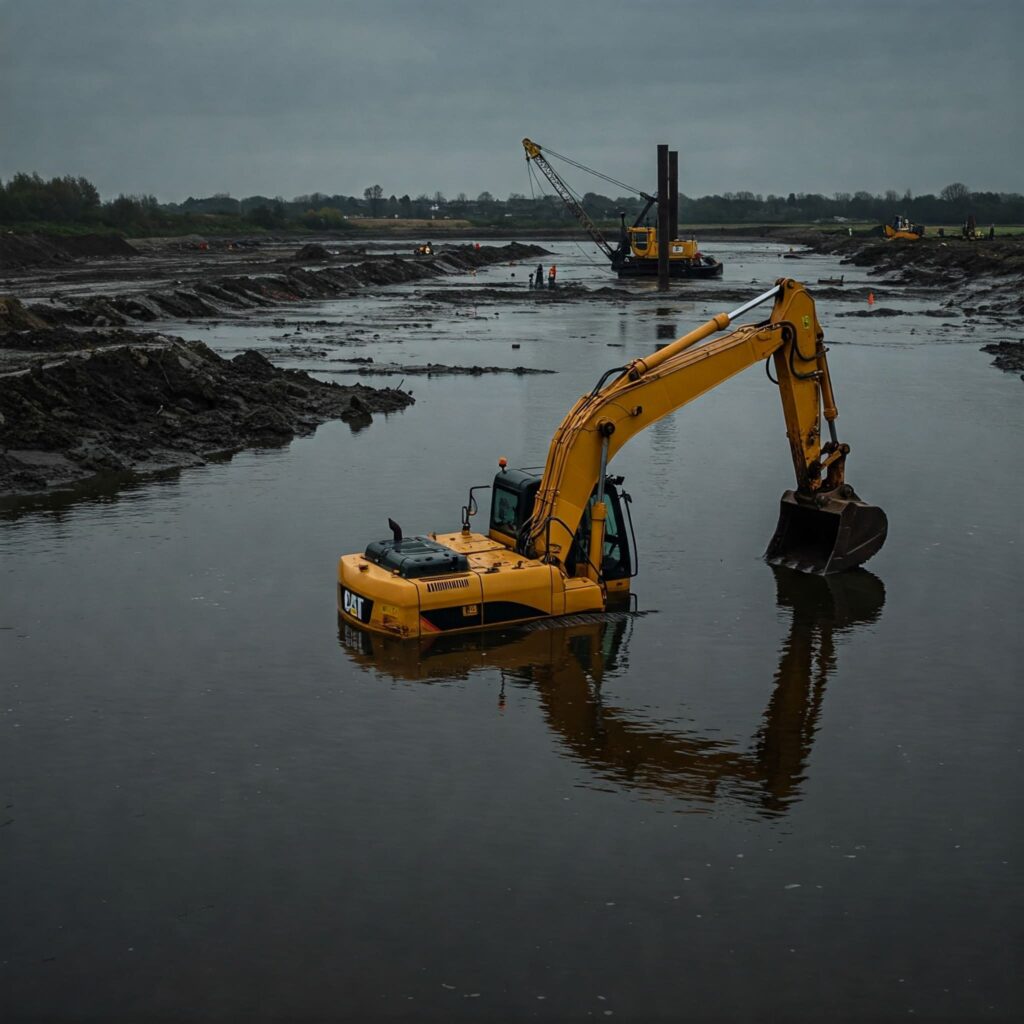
x: 562, y: 542
x: 499, y: 587
x: 643, y: 243
x: 912, y: 234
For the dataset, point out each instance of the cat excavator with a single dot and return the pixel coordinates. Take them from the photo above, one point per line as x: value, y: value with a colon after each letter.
x: 562, y: 542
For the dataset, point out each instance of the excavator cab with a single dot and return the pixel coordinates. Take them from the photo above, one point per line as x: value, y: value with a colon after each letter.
x: 618, y: 560
x: 512, y: 501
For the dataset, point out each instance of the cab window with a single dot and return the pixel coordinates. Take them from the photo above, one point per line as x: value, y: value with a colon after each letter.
x: 615, y: 561
x: 504, y: 509
x: 614, y: 549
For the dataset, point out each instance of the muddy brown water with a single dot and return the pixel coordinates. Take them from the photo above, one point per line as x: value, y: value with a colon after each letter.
x: 768, y: 798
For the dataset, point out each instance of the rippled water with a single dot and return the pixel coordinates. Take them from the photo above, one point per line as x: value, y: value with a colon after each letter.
x: 768, y: 797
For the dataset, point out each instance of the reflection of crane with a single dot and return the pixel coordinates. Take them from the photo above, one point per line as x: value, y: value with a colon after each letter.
x: 568, y: 663
x: 562, y: 542
x: 637, y: 251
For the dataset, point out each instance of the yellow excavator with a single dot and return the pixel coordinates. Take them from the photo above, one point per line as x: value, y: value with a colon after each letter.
x: 562, y: 543
x: 901, y: 227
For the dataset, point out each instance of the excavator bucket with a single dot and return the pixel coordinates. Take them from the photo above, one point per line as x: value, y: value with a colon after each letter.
x: 826, y: 534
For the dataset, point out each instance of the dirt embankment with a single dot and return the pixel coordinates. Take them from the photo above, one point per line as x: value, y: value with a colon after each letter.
x: 978, y: 277
x: 1009, y: 356
x: 143, y: 403
x: 15, y: 317
x: 962, y: 270
x: 80, y: 395
x: 216, y: 295
x: 17, y: 252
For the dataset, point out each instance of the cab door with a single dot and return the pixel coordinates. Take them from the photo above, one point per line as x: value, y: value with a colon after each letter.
x: 618, y: 564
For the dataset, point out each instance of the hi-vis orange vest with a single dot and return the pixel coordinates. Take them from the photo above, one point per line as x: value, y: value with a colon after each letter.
x: 551, y: 272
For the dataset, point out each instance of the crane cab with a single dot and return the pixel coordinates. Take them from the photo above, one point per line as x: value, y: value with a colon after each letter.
x: 643, y: 243
x: 639, y: 246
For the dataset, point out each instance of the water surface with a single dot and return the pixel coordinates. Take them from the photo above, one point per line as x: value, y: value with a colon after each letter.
x: 767, y: 798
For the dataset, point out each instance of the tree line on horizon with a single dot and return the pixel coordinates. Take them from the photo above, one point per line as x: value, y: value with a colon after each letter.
x: 29, y: 201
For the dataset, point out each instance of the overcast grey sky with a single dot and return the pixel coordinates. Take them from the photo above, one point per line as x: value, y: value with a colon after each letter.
x: 192, y: 97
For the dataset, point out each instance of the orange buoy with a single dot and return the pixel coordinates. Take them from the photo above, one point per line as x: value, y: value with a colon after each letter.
x: 871, y: 298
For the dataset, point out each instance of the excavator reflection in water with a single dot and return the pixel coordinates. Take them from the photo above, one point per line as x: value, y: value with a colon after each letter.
x: 567, y: 664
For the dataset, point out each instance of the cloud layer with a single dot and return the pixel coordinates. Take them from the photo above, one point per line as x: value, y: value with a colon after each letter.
x: 192, y: 98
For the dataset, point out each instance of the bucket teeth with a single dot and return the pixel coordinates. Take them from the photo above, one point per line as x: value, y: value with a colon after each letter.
x: 827, y: 535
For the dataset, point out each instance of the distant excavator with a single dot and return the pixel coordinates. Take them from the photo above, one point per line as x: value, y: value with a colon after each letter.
x: 901, y: 227
x: 562, y: 543
x: 637, y: 252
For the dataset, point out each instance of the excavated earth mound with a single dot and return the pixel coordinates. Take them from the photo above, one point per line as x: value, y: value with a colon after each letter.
x: 1009, y: 356
x: 15, y: 317
x: 218, y: 296
x: 156, y: 404
x: 933, y: 261
x: 18, y: 252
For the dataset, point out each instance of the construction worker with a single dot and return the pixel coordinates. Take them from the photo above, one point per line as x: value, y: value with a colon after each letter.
x: 552, y: 272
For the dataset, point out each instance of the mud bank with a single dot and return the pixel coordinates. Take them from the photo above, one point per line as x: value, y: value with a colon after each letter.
x: 1009, y: 356
x: 18, y: 252
x: 368, y: 368
x: 215, y: 295
x: 83, y: 392
x: 980, y: 278
x: 956, y: 266
x: 144, y: 403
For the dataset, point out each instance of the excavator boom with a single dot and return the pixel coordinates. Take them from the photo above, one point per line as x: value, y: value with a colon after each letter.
x: 632, y: 397
x: 557, y: 543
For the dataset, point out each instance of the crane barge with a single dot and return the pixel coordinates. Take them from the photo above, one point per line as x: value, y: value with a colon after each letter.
x: 636, y: 254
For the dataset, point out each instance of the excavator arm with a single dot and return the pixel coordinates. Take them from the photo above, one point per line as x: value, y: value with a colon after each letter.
x: 630, y: 398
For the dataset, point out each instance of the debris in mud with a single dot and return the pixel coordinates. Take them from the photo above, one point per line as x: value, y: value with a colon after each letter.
x: 367, y: 367
x: 158, y: 404
x: 882, y: 311
x: 1009, y: 356
x: 888, y: 311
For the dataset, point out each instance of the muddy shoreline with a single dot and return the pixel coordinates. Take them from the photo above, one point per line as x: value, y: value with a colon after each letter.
x: 86, y: 390
x: 146, y: 403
